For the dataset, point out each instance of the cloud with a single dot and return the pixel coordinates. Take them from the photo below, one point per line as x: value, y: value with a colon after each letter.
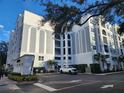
x: 4, y: 35
x: 1, y: 26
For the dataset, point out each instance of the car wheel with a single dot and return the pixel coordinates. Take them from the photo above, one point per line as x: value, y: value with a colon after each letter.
x: 61, y: 71
x: 70, y: 72
x: 76, y: 73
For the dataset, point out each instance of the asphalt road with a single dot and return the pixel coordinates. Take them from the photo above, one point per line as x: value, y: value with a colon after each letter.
x: 81, y: 83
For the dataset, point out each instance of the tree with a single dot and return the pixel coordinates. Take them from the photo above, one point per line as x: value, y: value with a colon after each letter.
x: 114, y: 58
x: 101, y: 59
x: 121, y: 29
x: 3, y: 52
x: 97, y: 57
x: 62, y: 12
x: 51, y: 63
x: 120, y: 61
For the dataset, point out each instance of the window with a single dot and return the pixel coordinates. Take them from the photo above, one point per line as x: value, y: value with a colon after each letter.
x: 41, y: 58
x: 107, y: 56
x: 105, y: 40
x: 57, y: 36
x: 103, y: 32
x: 69, y: 43
x: 57, y: 43
x: 18, y: 61
x: 64, y: 51
x: 92, y: 30
x: 121, y: 51
x: 98, y: 30
x: 69, y: 36
x: 63, y: 43
x: 119, y: 38
x: 69, y: 58
x: 103, y: 23
x: 69, y: 50
x: 94, y: 47
x: 57, y: 51
x: 92, y: 21
x: 57, y: 58
x: 107, y: 26
x: 63, y: 36
x: 106, y: 48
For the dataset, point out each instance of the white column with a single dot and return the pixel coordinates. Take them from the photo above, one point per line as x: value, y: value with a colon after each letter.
x: 61, y: 38
x: 45, y: 43
x: 66, y: 49
x: 28, y: 41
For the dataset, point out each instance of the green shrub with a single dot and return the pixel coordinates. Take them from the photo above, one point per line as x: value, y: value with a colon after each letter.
x: 22, y: 77
x: 95, y: 68
x: 14, y: 73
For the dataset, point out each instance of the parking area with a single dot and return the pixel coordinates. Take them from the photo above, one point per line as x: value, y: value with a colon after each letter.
x: 81, y: 83
x: 61, y: 82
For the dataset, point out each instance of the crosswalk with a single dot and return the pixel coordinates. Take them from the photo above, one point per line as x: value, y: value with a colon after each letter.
x: 12, y: 87
x: 48, y: 88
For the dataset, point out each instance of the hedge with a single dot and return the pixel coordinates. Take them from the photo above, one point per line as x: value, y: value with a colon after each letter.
x: 95, y: 68
x: 81, y: 67
x: 22, y: 77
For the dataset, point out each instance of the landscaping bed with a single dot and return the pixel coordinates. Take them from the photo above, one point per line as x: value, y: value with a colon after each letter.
x: 18, y: 77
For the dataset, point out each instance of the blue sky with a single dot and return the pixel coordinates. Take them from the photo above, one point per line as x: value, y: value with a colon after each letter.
x: 9, y: 10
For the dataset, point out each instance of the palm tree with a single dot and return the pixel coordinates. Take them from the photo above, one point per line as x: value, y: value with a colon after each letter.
x: 120, y: 62
x: 101, y: 59
x: 115, y: 59
x: 51, y: 64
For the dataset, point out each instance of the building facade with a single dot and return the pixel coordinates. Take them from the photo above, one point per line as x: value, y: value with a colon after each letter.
x: 31, y: 37
x: 79, y: 45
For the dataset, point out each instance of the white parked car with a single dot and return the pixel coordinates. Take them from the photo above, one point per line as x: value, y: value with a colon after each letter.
x: 70, y: 70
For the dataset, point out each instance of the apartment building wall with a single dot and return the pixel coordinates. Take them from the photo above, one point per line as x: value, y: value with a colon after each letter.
x: 91, y: 38
x: 10, y: 49
x: 39, y: 39
x: 33, y: 38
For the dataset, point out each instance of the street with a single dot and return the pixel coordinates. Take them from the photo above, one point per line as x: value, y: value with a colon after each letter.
x: 64, y: 83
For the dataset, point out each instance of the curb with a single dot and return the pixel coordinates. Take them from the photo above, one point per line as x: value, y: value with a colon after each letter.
x: 102, y: 73
x: 45, y: 74
x: 26, y: 82
x: 111, y: 73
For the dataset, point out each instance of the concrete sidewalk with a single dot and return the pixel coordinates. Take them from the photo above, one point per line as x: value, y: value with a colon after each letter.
x: 109, y: 73
x: 6, y: 81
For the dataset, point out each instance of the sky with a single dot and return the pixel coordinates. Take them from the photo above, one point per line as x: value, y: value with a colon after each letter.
x: 9, y: 11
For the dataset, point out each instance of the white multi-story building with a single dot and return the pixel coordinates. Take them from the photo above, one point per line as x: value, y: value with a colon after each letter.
x: 76, y: 47
x: 31, y: 37
x: 79, y: 46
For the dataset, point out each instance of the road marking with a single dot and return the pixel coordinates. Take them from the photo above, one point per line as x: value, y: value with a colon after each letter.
x: 63, y: 82
x: 74, y: 81
x: 3, y: 84
x: 77, y: 85
x: 13, y: 87
x: 107, y: 86
x: 50, y: 75
x: 45, y: 87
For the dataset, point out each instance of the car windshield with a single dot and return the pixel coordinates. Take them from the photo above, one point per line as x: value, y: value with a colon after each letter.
x: 71, y: 67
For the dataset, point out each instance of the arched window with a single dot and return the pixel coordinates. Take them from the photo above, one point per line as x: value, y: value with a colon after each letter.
x: 104, y: 32
x: 69, y: 36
